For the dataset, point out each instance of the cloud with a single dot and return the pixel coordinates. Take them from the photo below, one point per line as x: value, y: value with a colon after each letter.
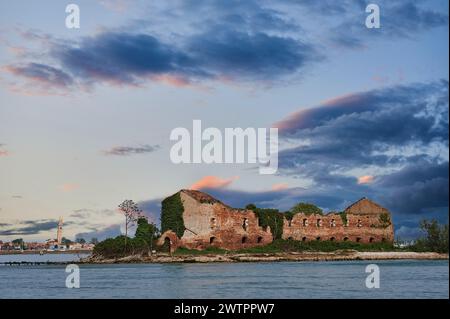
x: 408, y: 233
x: 280, y: 186
x: 127, y: 58
x: 30, y: 227
x: 365, y: 179
x: 130, y: 150
x: 399, y: 19
x: 68, y: 187
x: 233, y: 42
x: 398, y: 134
x: 3, y: 152
x: 115, y: 5
x: 213, y: 182
x: 382, y: 127
x: 101, y: 234
x: 419, y: 188
x: 42, y: 75
x: 185, y: 43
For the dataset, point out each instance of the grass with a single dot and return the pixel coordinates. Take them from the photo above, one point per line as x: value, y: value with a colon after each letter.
x: 281, y: 245
x: 209, y: 250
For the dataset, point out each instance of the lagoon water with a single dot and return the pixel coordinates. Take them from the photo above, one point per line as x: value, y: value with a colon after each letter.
x: 343, y: 279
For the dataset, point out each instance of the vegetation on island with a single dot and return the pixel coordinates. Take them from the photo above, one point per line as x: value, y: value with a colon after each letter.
x: 172, y: 215
x: 304, y: 208
x: 143, y: 242
x: 435, y: 237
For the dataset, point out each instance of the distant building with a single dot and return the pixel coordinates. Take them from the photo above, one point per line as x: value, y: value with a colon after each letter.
x: 59, y: 232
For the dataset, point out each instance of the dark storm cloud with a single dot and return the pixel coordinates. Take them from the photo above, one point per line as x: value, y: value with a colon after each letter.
x: 130, y: 150
x: 194, y: 41
x: 255, y: 56
x: 363, y: 129
x: 123, y: 58
x: 418, y: 188
x: 129, y: 58
x: 30, y: 227
x: 401, y: 132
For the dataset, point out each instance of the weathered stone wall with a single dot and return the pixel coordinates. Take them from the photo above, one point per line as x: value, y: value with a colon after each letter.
x: 363, y: 225
x: 360, y: 228
x: 210, y: 223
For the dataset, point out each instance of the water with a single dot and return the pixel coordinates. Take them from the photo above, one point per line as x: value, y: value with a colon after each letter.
x: 346, y: 279
x: 62, y: 257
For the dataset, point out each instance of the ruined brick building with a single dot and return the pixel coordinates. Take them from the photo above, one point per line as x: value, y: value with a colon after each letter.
x: 205, y: 221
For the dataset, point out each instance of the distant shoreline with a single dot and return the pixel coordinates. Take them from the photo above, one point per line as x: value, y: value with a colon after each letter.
x: 270, y: 257
x: 37, y: 252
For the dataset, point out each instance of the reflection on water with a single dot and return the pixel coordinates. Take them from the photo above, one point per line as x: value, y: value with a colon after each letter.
x: 399, y: 279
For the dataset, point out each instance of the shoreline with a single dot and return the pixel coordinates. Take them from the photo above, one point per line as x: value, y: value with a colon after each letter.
x: 268, y: 257
x: 37, y: 252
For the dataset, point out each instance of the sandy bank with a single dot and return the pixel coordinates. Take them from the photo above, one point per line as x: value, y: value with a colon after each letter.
x: 275, y: 257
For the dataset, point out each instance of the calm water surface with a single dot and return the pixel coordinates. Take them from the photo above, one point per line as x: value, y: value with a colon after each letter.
x: 399, y: 279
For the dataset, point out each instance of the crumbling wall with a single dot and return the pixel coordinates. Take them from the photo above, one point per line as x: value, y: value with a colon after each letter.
x: 363, y: 222
x: 213, y: 224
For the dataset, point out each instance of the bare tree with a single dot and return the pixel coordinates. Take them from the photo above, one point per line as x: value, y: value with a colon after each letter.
x: 132, y: 213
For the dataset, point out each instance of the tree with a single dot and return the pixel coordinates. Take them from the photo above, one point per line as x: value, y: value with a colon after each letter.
x: 65, y: 241
x: 94, y: 241
x: 131, y: 212
x: 306, y: 208
x: 81, y: 241
x: 436, y: 236
x: 18, y: 241
x: 146, y: 232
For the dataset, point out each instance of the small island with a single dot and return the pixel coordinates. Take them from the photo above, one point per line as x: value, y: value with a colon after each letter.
x: 195, y: 227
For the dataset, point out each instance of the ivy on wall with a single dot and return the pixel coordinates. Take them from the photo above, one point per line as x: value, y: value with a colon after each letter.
x: 343, y: 217
x: 269, y: 217
x: 172, y: 215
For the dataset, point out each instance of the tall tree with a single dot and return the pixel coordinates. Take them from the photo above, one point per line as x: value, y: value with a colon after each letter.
x: 146, y: 231
x: 131, y: 212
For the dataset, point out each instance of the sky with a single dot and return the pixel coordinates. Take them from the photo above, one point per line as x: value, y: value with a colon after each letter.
x: 86, y: 114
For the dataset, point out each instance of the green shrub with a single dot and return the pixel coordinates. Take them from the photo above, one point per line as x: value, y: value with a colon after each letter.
x: 172, y: 215
x: 343, y: 217
x: 436, y: 237
x: 115, y: 247
x: 305, y: 208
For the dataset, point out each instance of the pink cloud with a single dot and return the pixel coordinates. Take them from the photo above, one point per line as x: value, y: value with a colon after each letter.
x: 280, y: 186
x: 213, y: 182
x: 366, y: 179
x: 68, y: 187
x: 4, y: 153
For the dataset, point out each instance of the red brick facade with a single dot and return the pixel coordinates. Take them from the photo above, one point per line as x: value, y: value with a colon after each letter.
x: 209, y: 222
